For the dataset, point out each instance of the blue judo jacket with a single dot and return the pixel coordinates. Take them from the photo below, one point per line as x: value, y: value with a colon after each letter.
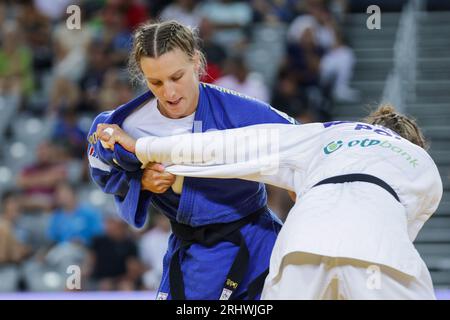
x: 202, y: 201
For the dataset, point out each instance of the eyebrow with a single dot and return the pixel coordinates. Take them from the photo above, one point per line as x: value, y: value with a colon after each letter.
x: 173, y: 74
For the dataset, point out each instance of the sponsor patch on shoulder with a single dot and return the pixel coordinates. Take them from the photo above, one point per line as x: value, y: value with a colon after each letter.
x: 162, y: 296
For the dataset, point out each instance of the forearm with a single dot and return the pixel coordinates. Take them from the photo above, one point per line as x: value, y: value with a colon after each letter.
x: 251, y: 153
x: 241, y: 145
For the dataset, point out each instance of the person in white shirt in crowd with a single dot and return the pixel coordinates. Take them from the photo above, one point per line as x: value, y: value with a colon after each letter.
x: 230, y: 19
x: 337, y: 61
x: 319, y: 21
x: 239, y: 79
x: 152, y: 248
x: 363, y: 192
x: 182, y: 11
x: 336, y: 71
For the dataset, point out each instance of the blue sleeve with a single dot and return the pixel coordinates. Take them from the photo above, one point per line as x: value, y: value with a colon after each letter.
x: 131, y: 202
x: 119, y: 158
x: 119, y: 174
x: 52, y: 231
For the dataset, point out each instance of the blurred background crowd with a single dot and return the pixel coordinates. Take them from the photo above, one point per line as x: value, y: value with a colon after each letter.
x: 53, y: 81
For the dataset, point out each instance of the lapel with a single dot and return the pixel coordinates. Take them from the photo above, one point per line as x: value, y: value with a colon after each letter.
x: 119, y: 115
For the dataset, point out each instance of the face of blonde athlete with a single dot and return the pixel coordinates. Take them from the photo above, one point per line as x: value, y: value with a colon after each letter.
x: 173, y: 79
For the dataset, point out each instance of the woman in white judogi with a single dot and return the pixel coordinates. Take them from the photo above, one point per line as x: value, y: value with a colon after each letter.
x: 350, y: 237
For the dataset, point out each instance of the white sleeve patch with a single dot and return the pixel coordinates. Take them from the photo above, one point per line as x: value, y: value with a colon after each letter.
x: 98, y: 164
x: 284, y: 115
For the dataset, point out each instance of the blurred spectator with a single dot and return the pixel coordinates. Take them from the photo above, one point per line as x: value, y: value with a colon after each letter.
x: 336, y: 69
x: 68, y: 132
x: 12, y: 245
x: 152, y: 248
x: 136, y: 12
x: 59, y: 72
x: 304, y: 57
x: 112, y: 263
x: 231, y: 20
x: 183, y: 12
x: 70, y: 48
x: 274, y: 11
x: 16, y: 73
x: 303, y: 61
x: 339, y: 9
x: 55, y: 10
x: 92, y: 81
x: 37, y: 32
x: 310, y: 36
x: 116, y: 90
x: 114, y: 34
x: 12, y: 248
x: 73, y: 221
x: 238, y: 78
x: 65, y: 95
x: 39, y: 180
x: 316, y: 20
x: 156, y: 6
x: 214, y: 52
x: 289, y: 98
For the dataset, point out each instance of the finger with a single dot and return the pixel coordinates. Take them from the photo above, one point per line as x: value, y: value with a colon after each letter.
x: 156, y: 167
x: 104, y: 132
x: 167, y: 176
x: 158, y: 177
x: 163, y: 187
x: 166, y: 181
x: 108, y: 144
x: 104, y: 136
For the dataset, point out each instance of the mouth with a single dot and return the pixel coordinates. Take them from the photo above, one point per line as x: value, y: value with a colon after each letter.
x: 174, y: 103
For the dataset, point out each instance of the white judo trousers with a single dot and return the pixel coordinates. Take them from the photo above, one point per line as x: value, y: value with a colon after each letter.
x: 305, y: 276
x: 340, y: 253
x: 337, y: 236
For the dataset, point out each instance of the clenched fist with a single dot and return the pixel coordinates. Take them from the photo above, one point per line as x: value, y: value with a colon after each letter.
x: 155, y: 179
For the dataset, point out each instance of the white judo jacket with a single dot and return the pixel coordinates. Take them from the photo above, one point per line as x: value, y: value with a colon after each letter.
x: 356, y: 220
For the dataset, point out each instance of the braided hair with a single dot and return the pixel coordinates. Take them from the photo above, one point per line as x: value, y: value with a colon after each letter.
x: 388, y: 117
x: 154, y: 39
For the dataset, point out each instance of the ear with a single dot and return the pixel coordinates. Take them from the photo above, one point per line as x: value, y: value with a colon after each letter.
x: 197, y: 61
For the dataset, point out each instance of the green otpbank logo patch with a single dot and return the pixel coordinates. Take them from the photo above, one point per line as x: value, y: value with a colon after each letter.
x: 334, y: 146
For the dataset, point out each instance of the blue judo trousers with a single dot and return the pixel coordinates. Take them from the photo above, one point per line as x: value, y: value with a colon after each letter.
x: 202, y: 203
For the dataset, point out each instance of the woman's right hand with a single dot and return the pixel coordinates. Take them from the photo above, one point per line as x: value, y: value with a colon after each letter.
x: 155, y: 179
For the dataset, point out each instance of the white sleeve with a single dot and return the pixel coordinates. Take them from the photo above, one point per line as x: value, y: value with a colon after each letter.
x: 282, y: 177
x: 430, y: 190
x: 255, y: 153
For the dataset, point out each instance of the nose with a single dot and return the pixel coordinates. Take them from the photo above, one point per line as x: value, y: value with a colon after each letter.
x: 169, y: 91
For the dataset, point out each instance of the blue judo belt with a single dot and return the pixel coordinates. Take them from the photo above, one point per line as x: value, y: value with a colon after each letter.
x: 360, y: 177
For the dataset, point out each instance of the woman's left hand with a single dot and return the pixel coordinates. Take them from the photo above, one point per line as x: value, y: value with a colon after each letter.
x: 110, y: 134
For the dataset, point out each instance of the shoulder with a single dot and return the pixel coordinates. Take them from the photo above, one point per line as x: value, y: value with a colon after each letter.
x: 218, y: 90
x: 103, y: 116
x: 233, y: 99
x: 247, y: 110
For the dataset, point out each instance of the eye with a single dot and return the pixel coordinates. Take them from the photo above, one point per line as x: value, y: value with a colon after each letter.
x: 156, y: 83
x: 176, y: 78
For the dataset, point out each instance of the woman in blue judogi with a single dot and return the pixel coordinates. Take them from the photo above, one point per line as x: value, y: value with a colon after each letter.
x: 223, y: 232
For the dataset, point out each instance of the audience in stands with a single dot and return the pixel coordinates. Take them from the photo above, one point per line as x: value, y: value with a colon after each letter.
x: 67, y: 76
